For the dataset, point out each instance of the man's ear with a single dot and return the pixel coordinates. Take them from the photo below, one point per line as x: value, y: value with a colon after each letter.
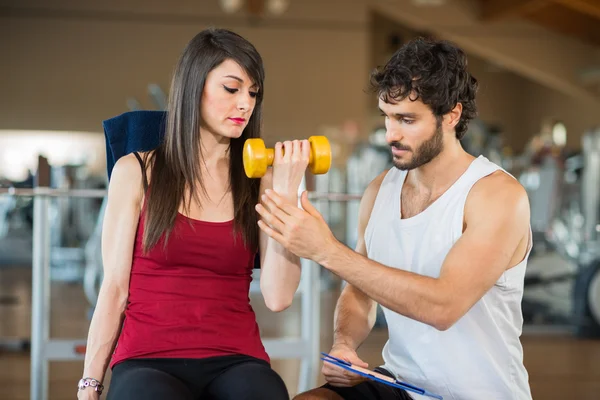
x: 453, y: 117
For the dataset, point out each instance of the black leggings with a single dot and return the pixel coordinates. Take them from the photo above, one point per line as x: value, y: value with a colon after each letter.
x: 216, y: 378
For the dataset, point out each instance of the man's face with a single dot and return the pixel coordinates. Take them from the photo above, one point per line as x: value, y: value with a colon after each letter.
x: 413, y: 133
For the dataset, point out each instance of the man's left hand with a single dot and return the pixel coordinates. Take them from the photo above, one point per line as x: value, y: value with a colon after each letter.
x: 303, y: 232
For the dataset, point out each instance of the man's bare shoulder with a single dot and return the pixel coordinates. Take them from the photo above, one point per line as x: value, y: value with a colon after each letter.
x: 373, y: 187
x: 369, y: 196
x: 498, y: 193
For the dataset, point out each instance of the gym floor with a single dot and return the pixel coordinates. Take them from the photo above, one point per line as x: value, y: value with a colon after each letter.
x: 560, y: 367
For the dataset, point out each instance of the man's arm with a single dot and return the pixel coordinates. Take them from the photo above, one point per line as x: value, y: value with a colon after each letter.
x: 497, y: 231
x: 355, y: 312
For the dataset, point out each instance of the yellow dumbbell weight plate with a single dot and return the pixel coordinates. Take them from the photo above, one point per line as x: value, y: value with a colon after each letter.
x: 255, y: 158
x: 320, y: 155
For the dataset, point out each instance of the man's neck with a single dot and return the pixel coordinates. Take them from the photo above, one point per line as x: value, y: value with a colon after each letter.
x: 442, y: 171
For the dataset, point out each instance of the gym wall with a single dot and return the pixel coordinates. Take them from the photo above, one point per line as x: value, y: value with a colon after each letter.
x: 69, y: 65
x: 578, y: 115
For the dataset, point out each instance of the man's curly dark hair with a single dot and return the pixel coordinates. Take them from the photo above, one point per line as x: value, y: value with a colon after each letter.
x: 433, y: 71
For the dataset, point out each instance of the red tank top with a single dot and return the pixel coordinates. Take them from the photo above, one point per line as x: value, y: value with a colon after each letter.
x: 192, y: 299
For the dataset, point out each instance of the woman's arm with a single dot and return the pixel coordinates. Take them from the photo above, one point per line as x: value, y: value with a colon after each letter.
x: 280, y: 269
x: 118, y: 234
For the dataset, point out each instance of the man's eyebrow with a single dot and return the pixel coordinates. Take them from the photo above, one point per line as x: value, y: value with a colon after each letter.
x: 401, y: 115
x: 237, y: 78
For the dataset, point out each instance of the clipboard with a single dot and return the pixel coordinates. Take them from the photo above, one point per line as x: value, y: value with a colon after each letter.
x: 378, y: 377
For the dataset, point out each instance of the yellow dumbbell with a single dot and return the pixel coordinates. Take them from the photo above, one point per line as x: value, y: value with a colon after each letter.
x: 257, y: 158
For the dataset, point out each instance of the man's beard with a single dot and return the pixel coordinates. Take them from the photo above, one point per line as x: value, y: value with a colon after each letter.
x: 426, y: 152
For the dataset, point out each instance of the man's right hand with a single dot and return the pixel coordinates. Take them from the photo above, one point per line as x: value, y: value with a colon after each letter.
x: 338, y: 376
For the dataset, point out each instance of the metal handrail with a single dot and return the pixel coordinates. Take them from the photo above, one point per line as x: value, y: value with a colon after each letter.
x: 53, y: 192
x: 100, y: 193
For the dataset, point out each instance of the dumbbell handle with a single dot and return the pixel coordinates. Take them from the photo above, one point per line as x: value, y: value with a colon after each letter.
x: 271, y: 156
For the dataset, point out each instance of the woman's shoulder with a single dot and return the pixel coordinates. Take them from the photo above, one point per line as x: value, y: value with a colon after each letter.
x: 127, y: 178
x: 140, y: 161
x: 125, y: 186
x: 127, y: 169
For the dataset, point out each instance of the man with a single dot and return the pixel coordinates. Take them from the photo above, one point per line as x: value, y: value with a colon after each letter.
x: 444, y: 239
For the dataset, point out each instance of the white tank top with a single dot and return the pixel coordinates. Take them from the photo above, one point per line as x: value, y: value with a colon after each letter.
x: 480, y: 356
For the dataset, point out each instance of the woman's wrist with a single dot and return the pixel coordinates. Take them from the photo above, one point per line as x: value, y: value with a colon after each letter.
x: 90, y: 383
x: 292, y: 196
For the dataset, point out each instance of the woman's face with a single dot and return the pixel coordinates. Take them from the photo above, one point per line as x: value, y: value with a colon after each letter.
x: 228, y: 100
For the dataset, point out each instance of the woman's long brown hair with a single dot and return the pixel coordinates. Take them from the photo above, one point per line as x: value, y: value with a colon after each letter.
x: 175, y: 162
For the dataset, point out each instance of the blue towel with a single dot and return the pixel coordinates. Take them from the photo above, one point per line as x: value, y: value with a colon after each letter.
x: 136, y: 131
x: 132, y: 131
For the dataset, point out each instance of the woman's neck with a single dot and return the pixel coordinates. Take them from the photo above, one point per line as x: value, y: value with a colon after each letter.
x: 215, y: 150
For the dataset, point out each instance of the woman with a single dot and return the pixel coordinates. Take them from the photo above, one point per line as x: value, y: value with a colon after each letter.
x: 173, y: 318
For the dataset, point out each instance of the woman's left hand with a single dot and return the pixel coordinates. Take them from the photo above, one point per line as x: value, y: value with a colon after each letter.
x: 289, y: 166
